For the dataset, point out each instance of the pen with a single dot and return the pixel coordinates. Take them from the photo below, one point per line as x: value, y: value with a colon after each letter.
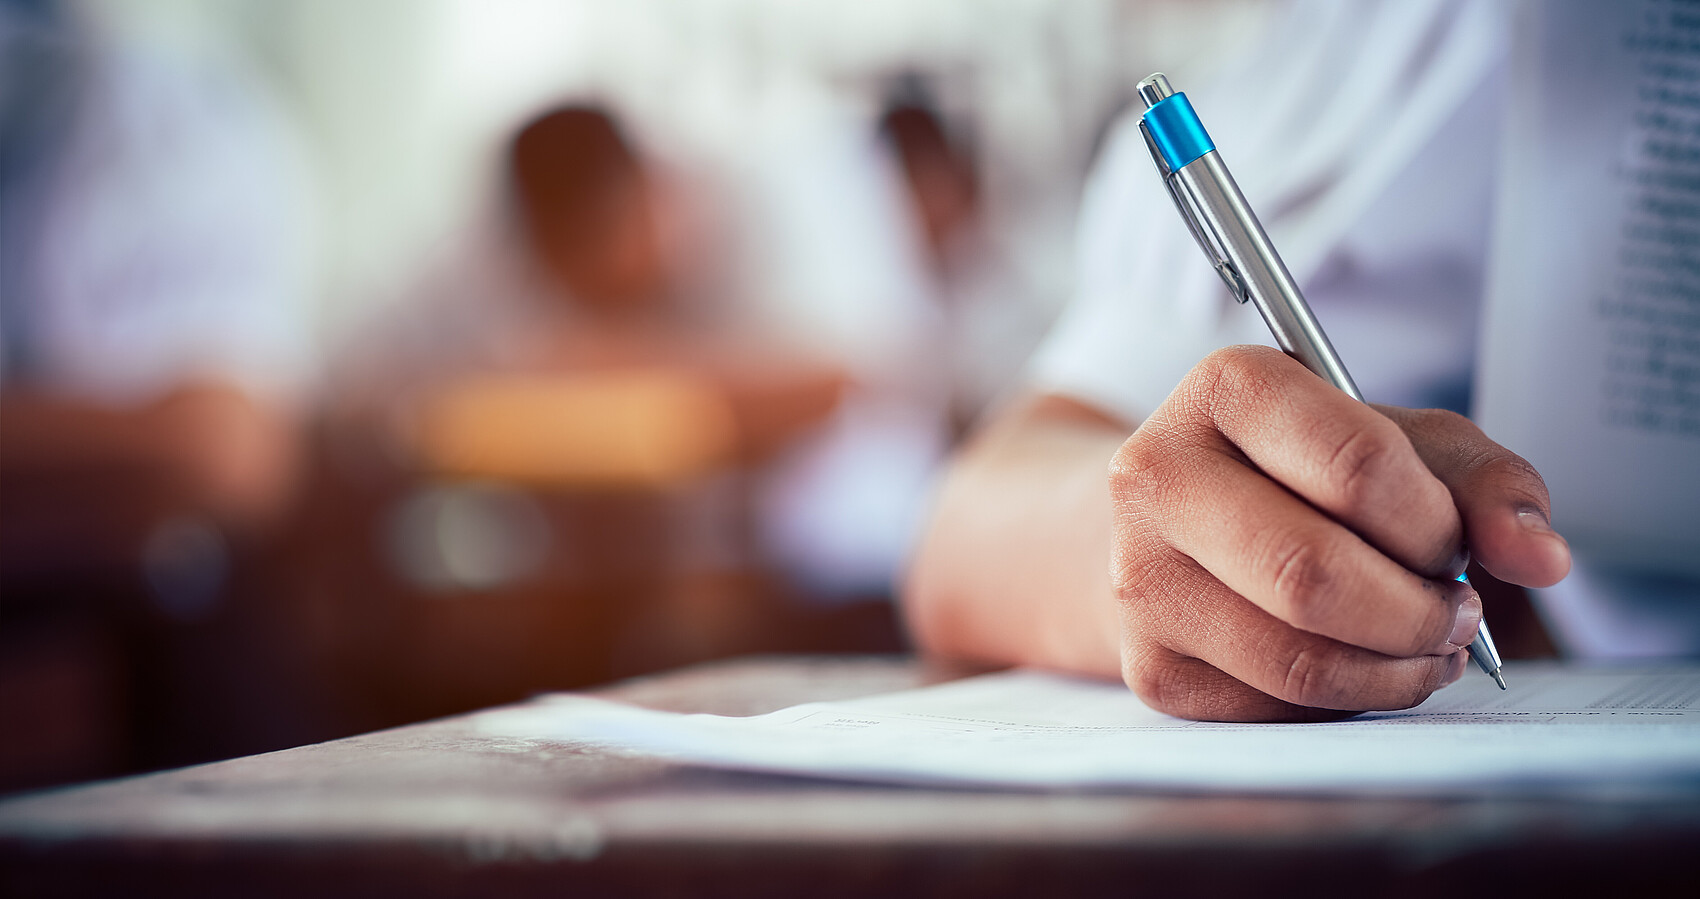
x: 1224, y: 226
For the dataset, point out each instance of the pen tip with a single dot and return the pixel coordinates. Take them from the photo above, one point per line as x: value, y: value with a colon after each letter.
x: 1498, y: 679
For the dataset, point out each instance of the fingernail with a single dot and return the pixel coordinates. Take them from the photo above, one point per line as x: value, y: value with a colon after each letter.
x: 1533, y: 521
x: 1468, y: 621
x: 1456, y: 664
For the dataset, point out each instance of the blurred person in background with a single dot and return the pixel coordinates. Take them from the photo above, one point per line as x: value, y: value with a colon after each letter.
x: 154, y: 352
x: 590, y: 263
x: 574, y: 352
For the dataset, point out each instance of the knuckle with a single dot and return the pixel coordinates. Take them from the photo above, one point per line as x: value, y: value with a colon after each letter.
x: 1220, y: 365
x: 1303, y: 583
x: 1311, y: 680
x: 1505, y: 476
x: 1158, y: 681
x: 1140, y: 570
x: 1235, y: 377
x: 1439, y: 429
x: 1452, y: 422
x: 1477, y: 456
x: 1240, y: 360
x: 1440, y: 421
x: 1139, y: 470
x: 1506, y: 467
x: 1149, y: 480
x: 1360, y: 466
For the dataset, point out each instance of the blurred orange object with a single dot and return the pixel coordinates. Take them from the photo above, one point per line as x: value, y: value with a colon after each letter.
x: 634, y: 428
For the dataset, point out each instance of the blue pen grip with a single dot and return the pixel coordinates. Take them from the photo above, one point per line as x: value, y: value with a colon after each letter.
x: 1178, y: 133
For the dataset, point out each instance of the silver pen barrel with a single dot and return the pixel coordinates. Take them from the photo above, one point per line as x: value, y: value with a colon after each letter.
x: 1225, y: 212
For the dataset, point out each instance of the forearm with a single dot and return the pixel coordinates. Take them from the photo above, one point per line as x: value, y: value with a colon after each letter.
x: 1014, y: 568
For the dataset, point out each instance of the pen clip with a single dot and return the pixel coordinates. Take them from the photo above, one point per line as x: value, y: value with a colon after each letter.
x: 1218, y: 258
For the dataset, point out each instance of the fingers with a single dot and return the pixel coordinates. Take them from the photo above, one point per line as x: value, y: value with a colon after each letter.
x: 1341, y: 456
x: 1282, y: 548
x: 1196, y: 649
x: 1265, y: 544
x: 1502, y: 499
x: 1185, y: 687
x: 1211, y: 476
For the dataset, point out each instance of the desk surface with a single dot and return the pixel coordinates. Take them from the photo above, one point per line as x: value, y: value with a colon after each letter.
x: 439, y: 809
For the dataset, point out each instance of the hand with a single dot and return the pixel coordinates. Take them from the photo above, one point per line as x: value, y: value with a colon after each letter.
x: 1283, y: 552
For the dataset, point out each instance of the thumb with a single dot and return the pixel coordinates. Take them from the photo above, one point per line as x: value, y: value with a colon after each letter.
x: 1501, y: 498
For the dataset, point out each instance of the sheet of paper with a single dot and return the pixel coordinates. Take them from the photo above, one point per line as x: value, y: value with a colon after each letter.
x: 1557, y: 728
x: 1590, y: 364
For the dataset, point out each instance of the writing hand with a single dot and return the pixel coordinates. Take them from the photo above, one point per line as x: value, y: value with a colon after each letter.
x: 1284, y: 552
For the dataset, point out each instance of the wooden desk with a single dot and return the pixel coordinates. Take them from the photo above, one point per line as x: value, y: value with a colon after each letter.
x: 439, y: 809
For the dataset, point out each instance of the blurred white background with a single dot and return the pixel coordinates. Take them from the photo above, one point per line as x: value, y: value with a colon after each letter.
x: 405, y: 104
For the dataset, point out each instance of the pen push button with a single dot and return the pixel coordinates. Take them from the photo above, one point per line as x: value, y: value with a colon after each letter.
x: 1175, y: 137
